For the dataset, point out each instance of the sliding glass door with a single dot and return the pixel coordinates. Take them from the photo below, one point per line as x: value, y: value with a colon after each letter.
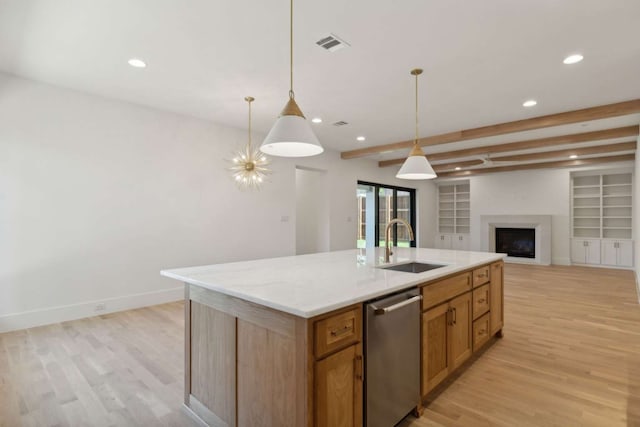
x: 377, y: 205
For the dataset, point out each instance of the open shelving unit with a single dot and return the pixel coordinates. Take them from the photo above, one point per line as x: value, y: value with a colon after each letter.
x: 454, y: 208
x: 602, y: 206
x: 602, y: 218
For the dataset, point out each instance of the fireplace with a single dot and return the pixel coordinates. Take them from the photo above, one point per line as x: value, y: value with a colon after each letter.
x: 540, y: 223
x: 516, y: 242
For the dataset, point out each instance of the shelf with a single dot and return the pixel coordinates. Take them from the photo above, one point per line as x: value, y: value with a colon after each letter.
x: 454, y: 203
x: 606, y: 193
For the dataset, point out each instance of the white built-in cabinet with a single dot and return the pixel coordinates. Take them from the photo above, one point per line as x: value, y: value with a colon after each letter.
x: 601, y: 218
x: 617, y: 253
x: 453, y: 215
x: 458, y: 242
x: 585, y: 251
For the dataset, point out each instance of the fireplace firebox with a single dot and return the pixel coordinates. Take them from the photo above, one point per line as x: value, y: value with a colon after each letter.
x: 516, y: 242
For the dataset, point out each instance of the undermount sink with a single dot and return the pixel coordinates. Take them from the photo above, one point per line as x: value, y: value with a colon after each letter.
x: 413, y: 267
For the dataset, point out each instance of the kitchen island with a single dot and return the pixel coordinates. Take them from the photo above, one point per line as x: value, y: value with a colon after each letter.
x: 278, y: 342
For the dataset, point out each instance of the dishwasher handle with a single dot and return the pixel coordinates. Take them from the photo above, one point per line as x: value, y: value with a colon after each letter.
x: 379, y: 311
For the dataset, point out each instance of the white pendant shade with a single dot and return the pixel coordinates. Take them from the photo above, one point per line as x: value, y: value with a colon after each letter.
x: 416, y: 167
x: 291, y: 136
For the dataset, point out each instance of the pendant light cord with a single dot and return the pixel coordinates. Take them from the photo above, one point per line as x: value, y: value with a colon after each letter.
x: 415, y: 142
x: 291, y: 95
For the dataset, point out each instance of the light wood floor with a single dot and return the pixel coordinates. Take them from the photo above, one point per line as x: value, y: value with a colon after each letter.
x: 570, y: 357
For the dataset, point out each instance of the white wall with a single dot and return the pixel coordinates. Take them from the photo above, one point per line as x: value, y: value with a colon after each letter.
x: 538, y: 192
x: 312, y: 212
x: 97, y: 196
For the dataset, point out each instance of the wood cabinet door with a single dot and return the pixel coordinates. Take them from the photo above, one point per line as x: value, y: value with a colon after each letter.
x: 460, y: 330
x: 339, y: 389
x: 435, y: 346
x: 496, y: 295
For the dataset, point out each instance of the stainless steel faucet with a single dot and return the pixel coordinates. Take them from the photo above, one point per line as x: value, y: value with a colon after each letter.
x: 387, y: 233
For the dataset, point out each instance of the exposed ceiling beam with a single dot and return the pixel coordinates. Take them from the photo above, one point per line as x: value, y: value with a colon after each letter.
x: 576, y: 116
x: 585, y: 151
x: 453, y: 165
x: 575, y: 138
x: 546, y: 165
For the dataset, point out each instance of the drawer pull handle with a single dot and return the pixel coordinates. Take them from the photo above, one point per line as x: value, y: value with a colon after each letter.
x: 342, y: 331
x: 481, y: 332
x: 481, y: 301
x: 455, y: 317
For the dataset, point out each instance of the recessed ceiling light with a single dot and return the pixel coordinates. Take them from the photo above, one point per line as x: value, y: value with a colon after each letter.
x: 316, y: 120
x: 458, y: 168
x: 361, y: 138
x: 137, y: 63
x: 573, y: 156
x: 529, y: 103
x: 573, y: 59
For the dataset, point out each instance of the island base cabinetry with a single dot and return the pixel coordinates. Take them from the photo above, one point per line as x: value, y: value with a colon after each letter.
x: 249, y: 365
x: 339, y: 389
x: 460, y: 314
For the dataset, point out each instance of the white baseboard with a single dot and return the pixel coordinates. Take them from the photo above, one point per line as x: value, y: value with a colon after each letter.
x: 561, y: 261
x: 47, y: 316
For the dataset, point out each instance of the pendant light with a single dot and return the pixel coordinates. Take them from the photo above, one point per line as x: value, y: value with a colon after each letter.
x: 249, y: 164
x: 291, y: 135
x: 416, y: 166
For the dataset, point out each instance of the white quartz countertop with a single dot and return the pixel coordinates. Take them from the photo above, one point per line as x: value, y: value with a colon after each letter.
x: 310, y: 285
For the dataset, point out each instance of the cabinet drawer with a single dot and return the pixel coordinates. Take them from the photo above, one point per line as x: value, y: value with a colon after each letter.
x: 480, y: 331
x: 481, y: 276
x: 444, y: 290
x: 337, y: 331
x: 480, y: 301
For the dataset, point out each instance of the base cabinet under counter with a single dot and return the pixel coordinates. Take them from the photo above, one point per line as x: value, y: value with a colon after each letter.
x: 472, y: 312
x: 250, y: 365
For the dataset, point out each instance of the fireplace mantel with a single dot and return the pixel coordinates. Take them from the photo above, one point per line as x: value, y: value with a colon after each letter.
x: 542, y: 224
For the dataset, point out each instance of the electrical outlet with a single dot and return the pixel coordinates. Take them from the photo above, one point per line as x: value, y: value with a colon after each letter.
x: 101, y: 307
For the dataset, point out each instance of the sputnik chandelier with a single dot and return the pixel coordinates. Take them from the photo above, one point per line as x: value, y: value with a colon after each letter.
x: 249, y: 168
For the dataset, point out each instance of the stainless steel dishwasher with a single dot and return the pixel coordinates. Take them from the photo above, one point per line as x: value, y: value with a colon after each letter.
x: 392, y: 358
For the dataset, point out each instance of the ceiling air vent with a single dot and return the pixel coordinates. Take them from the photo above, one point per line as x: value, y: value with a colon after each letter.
x: 340, y: 123
x: 332, y: 43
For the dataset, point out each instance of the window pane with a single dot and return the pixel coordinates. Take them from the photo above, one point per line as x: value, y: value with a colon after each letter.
x: 404, y: 212
x: 385, y: 212
x: 366, y: 216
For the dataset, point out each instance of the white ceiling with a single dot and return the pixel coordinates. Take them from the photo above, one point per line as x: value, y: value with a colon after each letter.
x: 482, y: 59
